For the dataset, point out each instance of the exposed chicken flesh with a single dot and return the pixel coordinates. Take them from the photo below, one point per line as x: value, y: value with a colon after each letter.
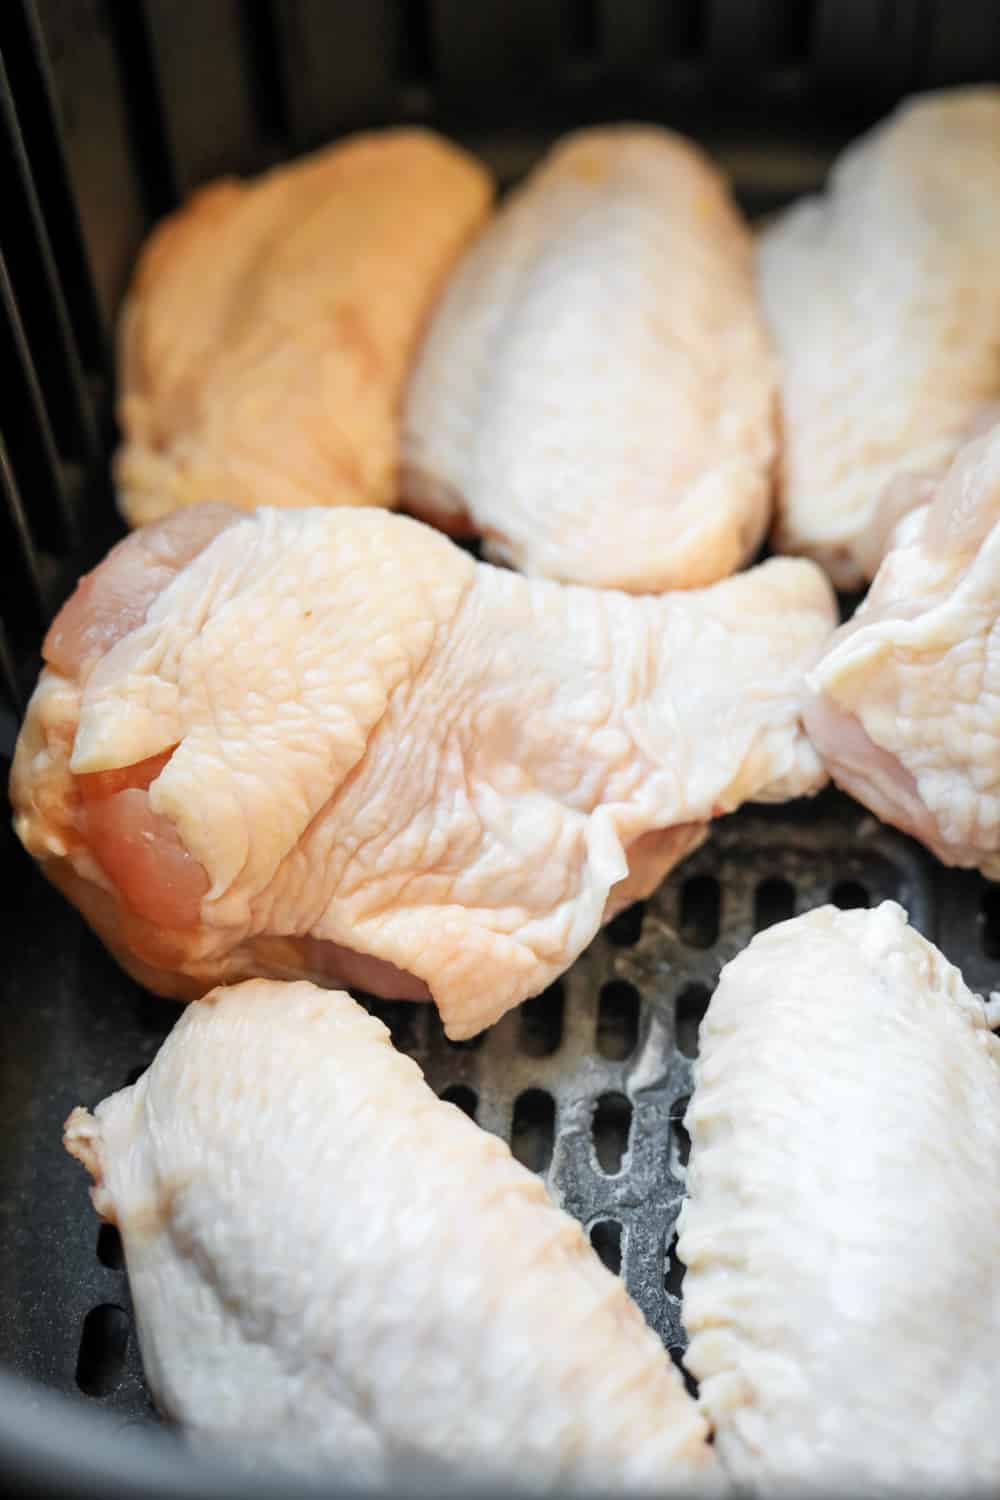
x: 842, y: 1231
x: 270, y: 326
x: 334, y: 1270
x: 335, y: 731
x: 884, y: 299
x: 907, y: 696
x: 596, y: 394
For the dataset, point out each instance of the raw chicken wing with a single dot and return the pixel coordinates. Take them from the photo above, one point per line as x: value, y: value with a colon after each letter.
x: 270, y: 326
x: 884, y: 299
x: 331, y: 745
x: 906, y: 710
x: 335, y: 1271
x: 596, y: 394
x: 842, y: 1233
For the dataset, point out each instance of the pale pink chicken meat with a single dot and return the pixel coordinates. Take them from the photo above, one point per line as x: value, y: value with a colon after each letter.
x: 906, y: 705
x: 336, y: 747
x: 883, y: 297
x: 596, y: 394
x: 334, y: 1271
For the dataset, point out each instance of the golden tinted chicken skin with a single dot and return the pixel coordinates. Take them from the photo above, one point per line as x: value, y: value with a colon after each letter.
x: 270, y: 325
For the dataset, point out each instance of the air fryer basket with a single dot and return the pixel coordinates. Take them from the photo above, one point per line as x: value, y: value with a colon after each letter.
x: 112, y: 109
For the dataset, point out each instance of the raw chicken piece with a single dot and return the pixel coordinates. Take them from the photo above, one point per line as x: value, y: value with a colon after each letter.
x: 335, y: 731
x: 884, y: 299
x: 906, y: 711
x: 842, y: 1233
x: 270, y: 326
x: 596, y: 394
x: 335, y: 1270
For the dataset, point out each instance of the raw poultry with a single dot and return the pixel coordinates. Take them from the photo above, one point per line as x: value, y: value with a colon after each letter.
x: 596, y: 393
x: 335, y: 1272
x: 270, y: 325
x: 842, y: 1229
x: 328, y: 744
x: 906, y: 705
x: 883, y: 296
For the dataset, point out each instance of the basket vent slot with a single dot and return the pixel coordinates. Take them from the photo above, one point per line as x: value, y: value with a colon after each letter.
x: 617, y: 1020
x: 109, y: 1247
x: 540, y: 1022
x: 606, y: 1238
x: 692, y: 1003
x: 103, y: 1345
x: 701, y: 911
x: 533, y: 1129
x: 612, y: 1129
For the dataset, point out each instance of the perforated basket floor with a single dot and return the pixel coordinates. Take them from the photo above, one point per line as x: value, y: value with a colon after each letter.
x: 588, y: 1082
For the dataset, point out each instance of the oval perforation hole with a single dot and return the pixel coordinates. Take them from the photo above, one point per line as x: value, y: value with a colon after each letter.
x: 990, y: 919
x: 690, y: 1007
x: 533, y: 1129
x: 701, y: 911
x: 625, y: 930
x: 673, y: 1269
x: 540, y: 1022
x: 103, y: 1343
x: 773, y: 901
x: 681, y: 1143
x: 109, y: 1247
x: 618, y: 1020
x: 606, y: 1238
x: 849, y: 895
x: 611, y: 1128
x: 466, y: 1099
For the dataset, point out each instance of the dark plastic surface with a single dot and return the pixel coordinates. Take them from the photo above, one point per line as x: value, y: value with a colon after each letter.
x: 110, y: 109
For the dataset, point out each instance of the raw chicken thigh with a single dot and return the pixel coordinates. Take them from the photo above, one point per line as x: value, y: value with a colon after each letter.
x: 330, y: 745
x: 842, y: 1233
x: 335, y: 1271
x: 596, y: 394
x: 270, y: 326
x: 906, y: 711
x: 884, y: 299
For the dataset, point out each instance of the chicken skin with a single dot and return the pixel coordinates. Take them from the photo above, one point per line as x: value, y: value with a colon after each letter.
x: 842, y: 1231
x: 330, y: 745
x: 270, y: 326
x: 596, y: 394
x: 335, y: 1271
x: 883, y: 296
x: 906, y: 700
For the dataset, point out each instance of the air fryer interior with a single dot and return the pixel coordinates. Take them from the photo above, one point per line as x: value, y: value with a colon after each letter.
x: 111, y: 112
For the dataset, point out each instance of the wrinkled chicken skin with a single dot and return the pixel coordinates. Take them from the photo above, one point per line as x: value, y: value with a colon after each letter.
x: 883, y: 296
x: 370, y: 742
x: 906, y: 706
x: 596, y: 395
x: 270, y: 326
x: 842, y: 1227
x: 334, y: 1271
